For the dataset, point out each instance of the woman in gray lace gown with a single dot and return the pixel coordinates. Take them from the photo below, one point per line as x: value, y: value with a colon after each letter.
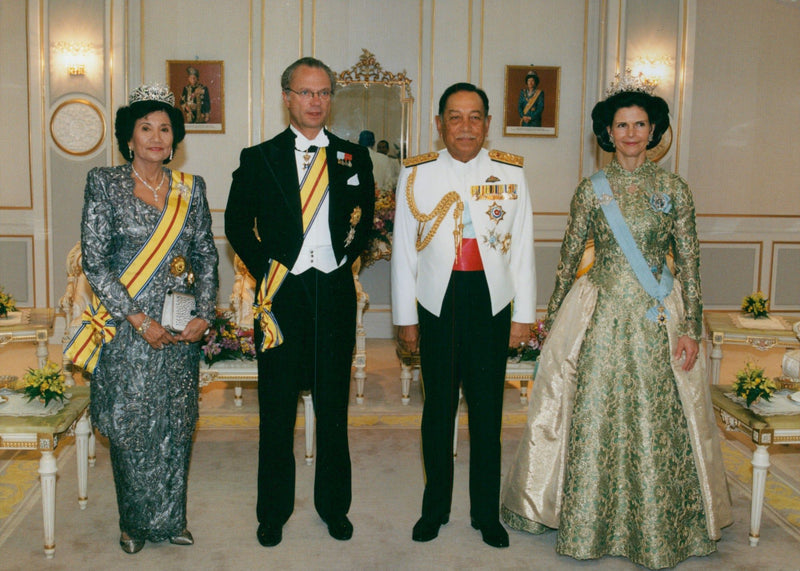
x: 146, y: 230
x: 621, y: 452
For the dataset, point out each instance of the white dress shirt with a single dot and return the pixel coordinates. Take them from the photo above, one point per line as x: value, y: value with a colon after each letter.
x: 317, y: 249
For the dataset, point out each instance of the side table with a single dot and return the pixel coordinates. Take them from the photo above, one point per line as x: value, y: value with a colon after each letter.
x: 764, y: 431
x: 37, y: 327
x: 43, y: 433
x: 721, y: 329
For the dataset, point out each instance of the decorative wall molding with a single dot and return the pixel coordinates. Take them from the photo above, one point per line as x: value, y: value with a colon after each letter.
x: 78, y: 127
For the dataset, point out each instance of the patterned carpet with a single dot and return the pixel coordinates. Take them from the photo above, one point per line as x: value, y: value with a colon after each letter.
x: 20, y: 496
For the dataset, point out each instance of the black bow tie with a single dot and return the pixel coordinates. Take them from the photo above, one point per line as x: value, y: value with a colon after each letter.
x: 311, y: 149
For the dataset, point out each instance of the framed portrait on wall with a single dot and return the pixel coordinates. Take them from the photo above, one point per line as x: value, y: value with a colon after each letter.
x: 531, y: 101
x: 198, y: 86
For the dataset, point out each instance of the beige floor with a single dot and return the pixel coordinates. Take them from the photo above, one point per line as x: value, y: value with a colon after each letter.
x: 387, y: 488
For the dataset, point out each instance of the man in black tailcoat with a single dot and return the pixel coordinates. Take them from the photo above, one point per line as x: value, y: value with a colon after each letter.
x: 298, y: 215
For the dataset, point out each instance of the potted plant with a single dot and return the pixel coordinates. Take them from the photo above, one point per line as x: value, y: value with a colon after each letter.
x: 225, y: 340
x: 45, y: 384
x: 752, y: 385
x: 756, y: 305
x: 8, y: 309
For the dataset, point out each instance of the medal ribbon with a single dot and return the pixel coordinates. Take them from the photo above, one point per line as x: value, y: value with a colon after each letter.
x: 313, y: 189
x: 97, y: 325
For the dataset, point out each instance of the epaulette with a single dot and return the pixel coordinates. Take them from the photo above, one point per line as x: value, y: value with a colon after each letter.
x: 507, y: 158
x: 420, y: 159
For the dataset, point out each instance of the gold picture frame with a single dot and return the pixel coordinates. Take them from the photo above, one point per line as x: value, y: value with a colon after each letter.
x: 531, y: 110
x: 199, y: 89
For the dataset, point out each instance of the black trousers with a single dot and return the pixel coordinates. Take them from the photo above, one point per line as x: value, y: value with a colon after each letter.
x: 465, y: 346
x: 317, y: 316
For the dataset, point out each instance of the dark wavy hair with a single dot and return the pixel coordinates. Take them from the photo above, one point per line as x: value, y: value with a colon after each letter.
x: 126, y: 120
x: 455, y: 88
x: 603, y: 115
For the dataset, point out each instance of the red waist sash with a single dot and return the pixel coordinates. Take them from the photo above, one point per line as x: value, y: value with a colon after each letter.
x: 469, y: 259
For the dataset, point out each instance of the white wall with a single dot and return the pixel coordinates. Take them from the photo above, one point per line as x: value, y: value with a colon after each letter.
x: 733, y: 98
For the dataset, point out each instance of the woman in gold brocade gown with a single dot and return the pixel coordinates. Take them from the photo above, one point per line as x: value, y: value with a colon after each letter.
x: 620, y: 453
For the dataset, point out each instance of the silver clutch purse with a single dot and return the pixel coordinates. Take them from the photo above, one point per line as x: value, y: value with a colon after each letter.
x: 179, y: 310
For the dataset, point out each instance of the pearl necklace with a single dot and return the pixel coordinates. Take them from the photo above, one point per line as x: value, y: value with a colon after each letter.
x: 144, y: 182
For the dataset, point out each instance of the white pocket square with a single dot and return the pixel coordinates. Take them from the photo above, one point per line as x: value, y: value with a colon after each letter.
x: 353, y: 180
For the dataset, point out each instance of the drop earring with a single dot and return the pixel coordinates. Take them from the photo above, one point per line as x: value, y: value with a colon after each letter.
x: 130, y: 150
x: 171, y: 152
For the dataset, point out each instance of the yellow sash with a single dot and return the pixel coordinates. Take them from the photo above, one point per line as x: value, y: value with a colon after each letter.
x: 531, y: 101
x: 97, y: 325
x: 312, y: 192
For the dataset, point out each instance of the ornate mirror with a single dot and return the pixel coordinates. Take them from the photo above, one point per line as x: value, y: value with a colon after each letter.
x: 371, y: 98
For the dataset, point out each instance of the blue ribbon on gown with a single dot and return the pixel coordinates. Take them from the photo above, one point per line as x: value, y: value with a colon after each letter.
x: 655, y: 289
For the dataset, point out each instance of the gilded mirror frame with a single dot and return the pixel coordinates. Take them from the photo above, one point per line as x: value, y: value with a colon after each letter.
x: 369, y: 73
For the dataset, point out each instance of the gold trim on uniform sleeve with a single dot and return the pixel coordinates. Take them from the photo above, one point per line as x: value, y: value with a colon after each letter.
x: 507, y: 158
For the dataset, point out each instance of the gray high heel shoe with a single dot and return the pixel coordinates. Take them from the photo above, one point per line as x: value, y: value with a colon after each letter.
x: 130, y: 545
x: 183, y: 538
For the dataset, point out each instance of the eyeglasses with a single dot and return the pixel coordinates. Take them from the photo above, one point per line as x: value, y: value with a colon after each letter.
x: 323, y: 94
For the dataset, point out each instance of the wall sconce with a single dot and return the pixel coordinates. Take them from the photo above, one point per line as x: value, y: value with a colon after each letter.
x: 654, y: 70
x: 74, y: 55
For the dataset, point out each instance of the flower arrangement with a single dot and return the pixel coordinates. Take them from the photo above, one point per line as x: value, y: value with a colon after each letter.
x: 533, y: 348
x: 756, y: 305
x: 45, y: 384
x: 751, y: 384
x: 226, y: 341
x: 379, y: 242
x: 7, y: 303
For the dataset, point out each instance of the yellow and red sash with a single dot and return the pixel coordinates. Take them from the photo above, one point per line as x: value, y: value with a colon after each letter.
x: 313, y: 189
x: 97, y: 325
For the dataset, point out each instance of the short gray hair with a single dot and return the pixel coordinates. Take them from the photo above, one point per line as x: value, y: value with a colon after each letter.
x: 286, y: 76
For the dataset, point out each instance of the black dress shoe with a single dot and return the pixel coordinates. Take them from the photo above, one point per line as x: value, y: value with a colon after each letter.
x: 269, y: 534
x: 340, y: 528
x: 130, y: 545
x: 427, y: 527
x: 494, y: 533
x: 183, y: 538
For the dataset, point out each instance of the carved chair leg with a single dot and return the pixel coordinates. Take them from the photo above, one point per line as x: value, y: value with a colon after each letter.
x: 455, y: 431
x: 237, y: 394
x: 309, y: 418
x: 405, y: 382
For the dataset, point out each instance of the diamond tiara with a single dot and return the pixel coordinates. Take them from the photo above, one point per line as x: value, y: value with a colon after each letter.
x: 152, y: 92
x: 627, y: 81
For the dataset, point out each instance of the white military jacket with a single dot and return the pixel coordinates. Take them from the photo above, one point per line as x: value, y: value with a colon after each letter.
x: 492, y: 186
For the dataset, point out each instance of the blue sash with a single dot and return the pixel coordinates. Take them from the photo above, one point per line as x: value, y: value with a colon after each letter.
x: 655, y: 289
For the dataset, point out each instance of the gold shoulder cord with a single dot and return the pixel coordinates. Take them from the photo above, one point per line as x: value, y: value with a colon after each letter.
x: 439, y: 212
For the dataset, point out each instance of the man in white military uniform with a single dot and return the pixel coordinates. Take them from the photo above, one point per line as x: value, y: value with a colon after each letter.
x: 462, y: 253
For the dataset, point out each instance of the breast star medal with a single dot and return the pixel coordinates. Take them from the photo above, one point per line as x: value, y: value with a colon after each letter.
x: 177, y: 266
x: 496, y: 212
x: 355, y: 218
x: 184, y: 190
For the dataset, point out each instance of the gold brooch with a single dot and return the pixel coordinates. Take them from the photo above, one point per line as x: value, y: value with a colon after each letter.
x: 177, y: 266
x: 355, y: 216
